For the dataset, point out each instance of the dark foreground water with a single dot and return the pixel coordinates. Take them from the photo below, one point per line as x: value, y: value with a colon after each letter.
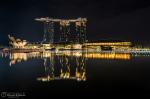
x: 76, y: 73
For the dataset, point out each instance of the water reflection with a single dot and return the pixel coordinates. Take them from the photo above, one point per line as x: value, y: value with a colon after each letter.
x: 72, y: 65
x: 125, y: 56
x: 66, y: 70
x: 64, y: 65
x: 18, y: 57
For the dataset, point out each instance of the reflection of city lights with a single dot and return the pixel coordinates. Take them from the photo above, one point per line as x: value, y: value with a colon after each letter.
x: 16, y: 57
x: 109, y: 55
x: 77, y: 54
x: 44, y: 79
x: 66, y: 72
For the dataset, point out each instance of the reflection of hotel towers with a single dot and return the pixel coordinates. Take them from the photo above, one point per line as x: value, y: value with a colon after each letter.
x: 66, y: 71
x: 49, y: 66
x: 80, y: 70
x: 65, y: 36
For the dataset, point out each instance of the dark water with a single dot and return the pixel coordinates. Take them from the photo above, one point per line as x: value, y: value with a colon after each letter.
x: 76, y: 73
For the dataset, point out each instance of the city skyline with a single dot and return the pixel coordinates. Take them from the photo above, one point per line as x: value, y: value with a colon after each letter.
x: 74, y: 47
x: 112, y: 20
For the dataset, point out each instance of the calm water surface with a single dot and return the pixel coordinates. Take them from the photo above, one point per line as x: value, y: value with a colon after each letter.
x: 74, y: 72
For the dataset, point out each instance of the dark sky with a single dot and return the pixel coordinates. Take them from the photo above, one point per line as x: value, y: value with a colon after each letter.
x: 107, y: 19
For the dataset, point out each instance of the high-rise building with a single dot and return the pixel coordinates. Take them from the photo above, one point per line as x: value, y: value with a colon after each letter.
x: 78, y: 35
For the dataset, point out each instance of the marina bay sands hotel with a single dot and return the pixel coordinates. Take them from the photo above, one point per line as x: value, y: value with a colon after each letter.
x: 72, y: 35
x: 67, y: 35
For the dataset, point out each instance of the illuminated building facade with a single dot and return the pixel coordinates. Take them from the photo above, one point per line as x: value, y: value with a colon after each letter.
x: 72, y: 35
x: 48, y: 32
x: 65, y: 31
x: 95, y: 46
x: 81, y: 30
x: 66, y: 36
x: 17, y: 43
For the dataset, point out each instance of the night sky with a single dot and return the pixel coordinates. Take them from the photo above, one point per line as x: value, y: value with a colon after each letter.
x: 107, y: 19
